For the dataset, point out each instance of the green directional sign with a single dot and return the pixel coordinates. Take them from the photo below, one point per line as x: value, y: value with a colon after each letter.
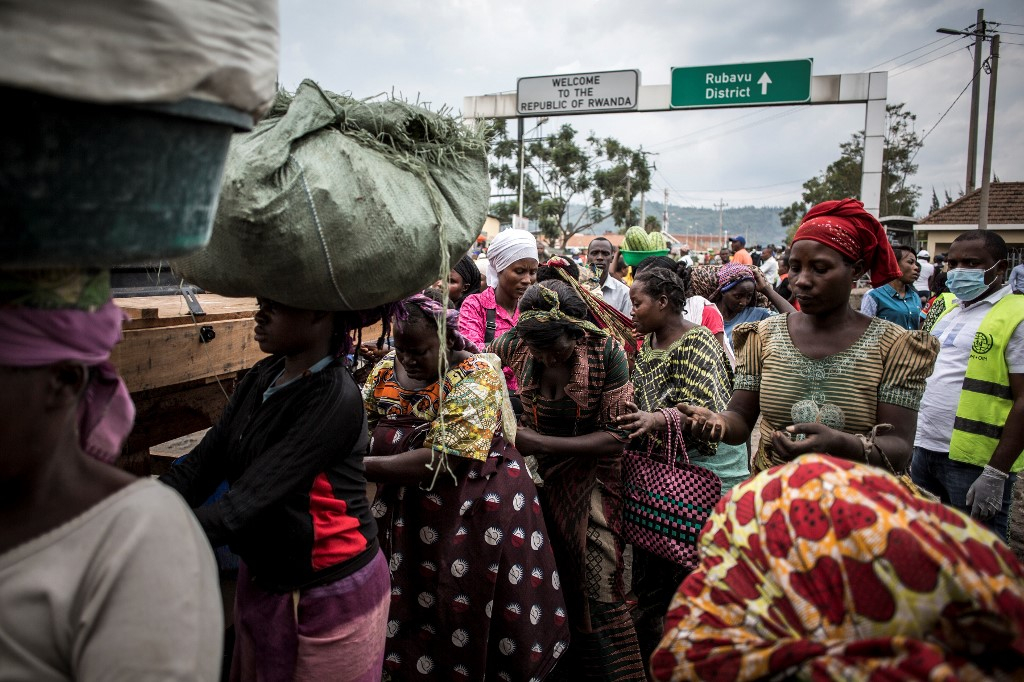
x: 730, y: 85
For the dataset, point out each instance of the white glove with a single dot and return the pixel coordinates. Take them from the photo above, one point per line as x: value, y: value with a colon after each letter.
x: 985, y: 496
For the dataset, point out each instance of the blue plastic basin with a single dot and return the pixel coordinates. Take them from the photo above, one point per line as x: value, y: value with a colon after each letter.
x: 90, y: 185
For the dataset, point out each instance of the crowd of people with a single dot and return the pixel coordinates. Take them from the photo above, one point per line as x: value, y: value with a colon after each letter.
x: 460, y: 515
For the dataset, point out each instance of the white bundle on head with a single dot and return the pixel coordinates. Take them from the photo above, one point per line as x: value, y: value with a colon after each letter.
x: 508, y: 247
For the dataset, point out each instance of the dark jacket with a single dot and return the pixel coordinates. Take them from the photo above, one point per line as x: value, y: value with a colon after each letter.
x: 296, y: 511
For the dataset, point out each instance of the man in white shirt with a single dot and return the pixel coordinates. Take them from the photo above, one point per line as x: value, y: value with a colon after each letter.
x: 770, y: 267
x: 970, y: 428
x: 615, y: 293
x: 927, y: 269
x: 684, y: 256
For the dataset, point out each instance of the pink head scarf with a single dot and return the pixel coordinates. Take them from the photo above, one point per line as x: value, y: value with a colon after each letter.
x: 34, y: 338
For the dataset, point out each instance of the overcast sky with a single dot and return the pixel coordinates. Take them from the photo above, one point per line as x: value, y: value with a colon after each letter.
x: 444, y: 50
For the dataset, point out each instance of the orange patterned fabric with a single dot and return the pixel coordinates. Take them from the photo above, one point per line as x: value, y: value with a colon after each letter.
x: 825, y: 569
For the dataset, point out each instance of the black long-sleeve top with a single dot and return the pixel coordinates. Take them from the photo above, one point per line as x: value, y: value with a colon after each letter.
x: 296, y: 510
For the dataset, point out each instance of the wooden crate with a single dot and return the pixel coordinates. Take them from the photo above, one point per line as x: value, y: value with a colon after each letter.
x: 179, y: 383
x: 163, y: 346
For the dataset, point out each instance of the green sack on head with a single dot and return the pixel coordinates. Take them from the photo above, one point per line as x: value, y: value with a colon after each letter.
x: 332, y: 203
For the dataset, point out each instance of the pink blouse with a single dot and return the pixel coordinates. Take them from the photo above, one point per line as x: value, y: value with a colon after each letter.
x: 473, y: 324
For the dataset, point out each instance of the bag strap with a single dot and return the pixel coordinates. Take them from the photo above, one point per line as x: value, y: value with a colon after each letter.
x: 673, y: 436
x: 492, y: 324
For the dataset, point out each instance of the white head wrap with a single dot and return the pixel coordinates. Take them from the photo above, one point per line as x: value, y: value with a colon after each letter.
x: 508, y: 247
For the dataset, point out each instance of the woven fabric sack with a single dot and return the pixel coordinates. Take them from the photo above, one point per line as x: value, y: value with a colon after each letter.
x: 143, y: 51
x: 332, y: 203
x: 667, y: 504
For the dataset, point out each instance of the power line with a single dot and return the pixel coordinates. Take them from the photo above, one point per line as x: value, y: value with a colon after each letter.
x: 917, y: 66
x: 925, y: 137
x: 937, y: 40
x: 743, y: 189
x: 956, y: 39
x: 789, y: 111
x: 757, y: 110
x: 950, y: 108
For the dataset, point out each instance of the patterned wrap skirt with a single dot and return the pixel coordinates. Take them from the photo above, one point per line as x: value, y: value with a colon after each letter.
x: 475, y: 590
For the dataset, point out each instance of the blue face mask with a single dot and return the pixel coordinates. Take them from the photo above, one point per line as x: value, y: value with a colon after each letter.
x: 967, y: 284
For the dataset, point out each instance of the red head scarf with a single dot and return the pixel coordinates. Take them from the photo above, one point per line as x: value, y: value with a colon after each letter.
x: 846, y: 227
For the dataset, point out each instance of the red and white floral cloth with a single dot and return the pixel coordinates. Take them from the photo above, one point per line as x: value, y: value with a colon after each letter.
x: 831, y: 570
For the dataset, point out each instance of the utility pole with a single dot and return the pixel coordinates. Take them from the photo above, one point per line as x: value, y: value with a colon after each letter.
x: 980, y: 34
x: 721, y: 224
x: 629, y: 199
x: 986, y: 167
x: 664, y: 214
x: 522, y: 157
x: 972, y: 140
x: 522, y: 162
x: 643, y: 192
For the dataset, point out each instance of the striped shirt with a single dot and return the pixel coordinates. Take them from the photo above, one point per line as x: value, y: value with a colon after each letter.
x: 886, y: 364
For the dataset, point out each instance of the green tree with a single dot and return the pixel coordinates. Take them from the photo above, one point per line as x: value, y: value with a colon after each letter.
x: 652, y: 224
x: 790, y: 218
x: 842, y: 177
x: 935, y: 202
x: 601, y: 174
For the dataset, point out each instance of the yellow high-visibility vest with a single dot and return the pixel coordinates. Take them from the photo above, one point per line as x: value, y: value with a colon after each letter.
x: 986, y: 398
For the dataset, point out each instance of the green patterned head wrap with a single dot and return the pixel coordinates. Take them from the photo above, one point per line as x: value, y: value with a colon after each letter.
x: 55, y: 289
x: 555, y: 314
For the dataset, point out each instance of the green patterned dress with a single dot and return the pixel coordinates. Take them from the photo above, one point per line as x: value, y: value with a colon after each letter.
x: 692, y: 370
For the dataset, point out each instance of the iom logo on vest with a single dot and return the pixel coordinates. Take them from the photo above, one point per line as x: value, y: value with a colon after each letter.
x: 982, y: 344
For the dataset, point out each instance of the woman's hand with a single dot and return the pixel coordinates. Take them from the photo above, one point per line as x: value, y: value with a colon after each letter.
x: 760, y: 283
x: 702, y: 423
x: 529, y: 442
x: 371, y: 350
x: 638, y: 423
x: 819, y: 438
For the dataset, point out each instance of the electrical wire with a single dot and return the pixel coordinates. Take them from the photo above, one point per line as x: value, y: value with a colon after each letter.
x: 925, y: 136
x: 917, y: 66
x: 950, y: 108
x: 899, y: 56
x: 744, y: 189
x: 757, y: 110
x: 955, y: 40
x: 789, y: 111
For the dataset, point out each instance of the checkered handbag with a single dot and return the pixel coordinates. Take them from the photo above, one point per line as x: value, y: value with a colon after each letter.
x: 665, y: 504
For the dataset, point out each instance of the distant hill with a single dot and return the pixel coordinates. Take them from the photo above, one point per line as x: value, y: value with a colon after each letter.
x: 758, y: 225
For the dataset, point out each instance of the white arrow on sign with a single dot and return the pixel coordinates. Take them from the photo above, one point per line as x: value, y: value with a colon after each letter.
x: 764, y: 81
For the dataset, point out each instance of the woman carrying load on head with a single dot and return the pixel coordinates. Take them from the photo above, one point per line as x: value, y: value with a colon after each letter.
x: 825, y: 377
x: 313, y: 585
x: 826, y: 569
x: 678, y: 362
x: 102, y: 576
x: 602, y: 314
x: 574, y: 381
x: 475, y: 591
